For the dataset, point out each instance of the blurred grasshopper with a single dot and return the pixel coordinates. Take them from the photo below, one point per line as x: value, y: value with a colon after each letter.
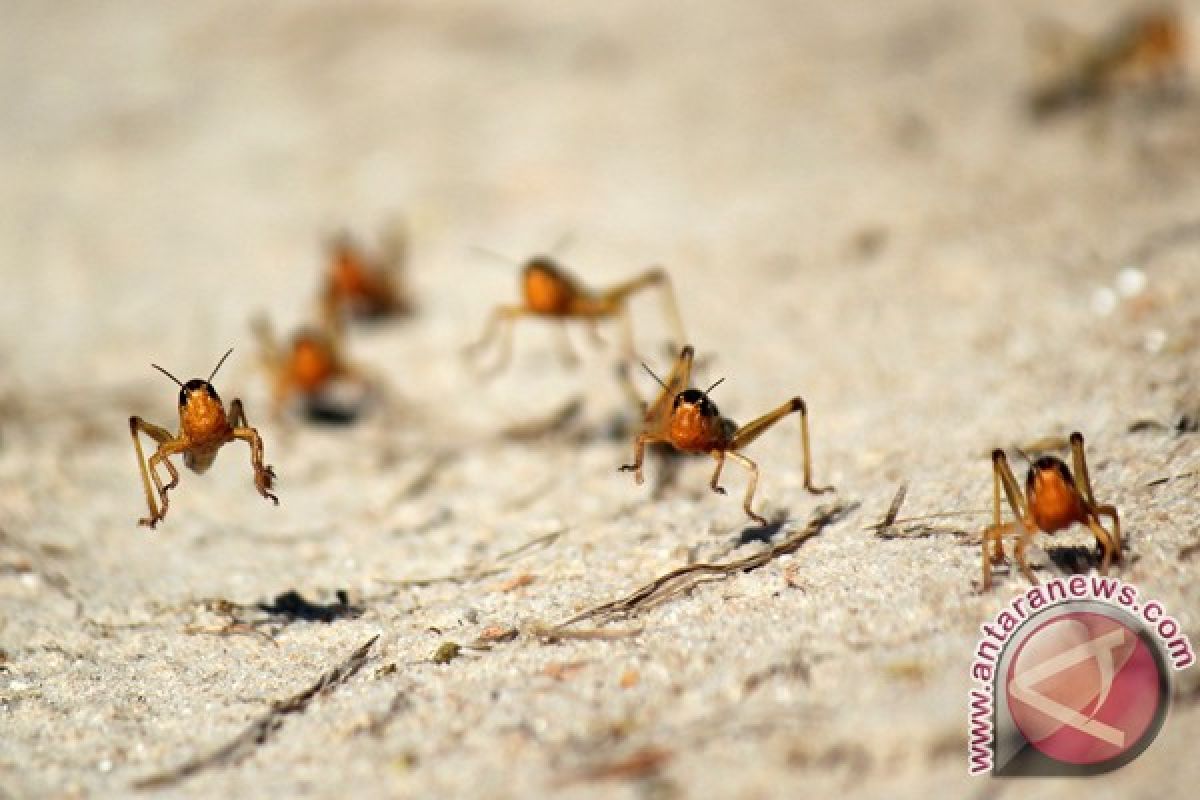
x: 1147, y: 49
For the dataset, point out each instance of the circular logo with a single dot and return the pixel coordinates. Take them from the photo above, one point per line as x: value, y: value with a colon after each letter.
x: 1087, y: 688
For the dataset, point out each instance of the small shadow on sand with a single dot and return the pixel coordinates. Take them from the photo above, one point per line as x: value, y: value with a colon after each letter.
x: 332, y: 416
x: 1071, y: 559
x: 762, y: 533
x: 1075, y: 558
x: 292, y: 605
x: 334, y: 408
x: 1081, y: 559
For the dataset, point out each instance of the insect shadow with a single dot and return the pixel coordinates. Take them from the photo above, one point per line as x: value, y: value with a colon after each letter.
x: 763, y: 533
x: 1076, y: 559
x: 292, y: 606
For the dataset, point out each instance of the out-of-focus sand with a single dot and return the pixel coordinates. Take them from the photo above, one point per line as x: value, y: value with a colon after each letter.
x: 854, y: 208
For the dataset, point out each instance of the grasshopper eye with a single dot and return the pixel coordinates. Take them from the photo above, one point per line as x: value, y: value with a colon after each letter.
x: 196, y: 385
x: 695, y: 397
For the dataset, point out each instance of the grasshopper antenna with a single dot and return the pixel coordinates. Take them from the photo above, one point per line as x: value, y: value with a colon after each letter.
x: 715, y: 385
x: 219, y: 363
x: 652, y: 375
x: 169, y: 375
x: 1028, y: 458
x: 492, y: 254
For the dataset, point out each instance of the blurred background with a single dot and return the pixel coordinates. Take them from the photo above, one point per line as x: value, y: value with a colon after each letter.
x: 167, y: 171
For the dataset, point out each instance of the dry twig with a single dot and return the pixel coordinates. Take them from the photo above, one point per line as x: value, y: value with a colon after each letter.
x: 678, y: 581
x: 262, y: 729
x: 477, y: 572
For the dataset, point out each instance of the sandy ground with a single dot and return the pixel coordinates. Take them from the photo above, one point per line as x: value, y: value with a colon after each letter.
x: 854, y: 208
